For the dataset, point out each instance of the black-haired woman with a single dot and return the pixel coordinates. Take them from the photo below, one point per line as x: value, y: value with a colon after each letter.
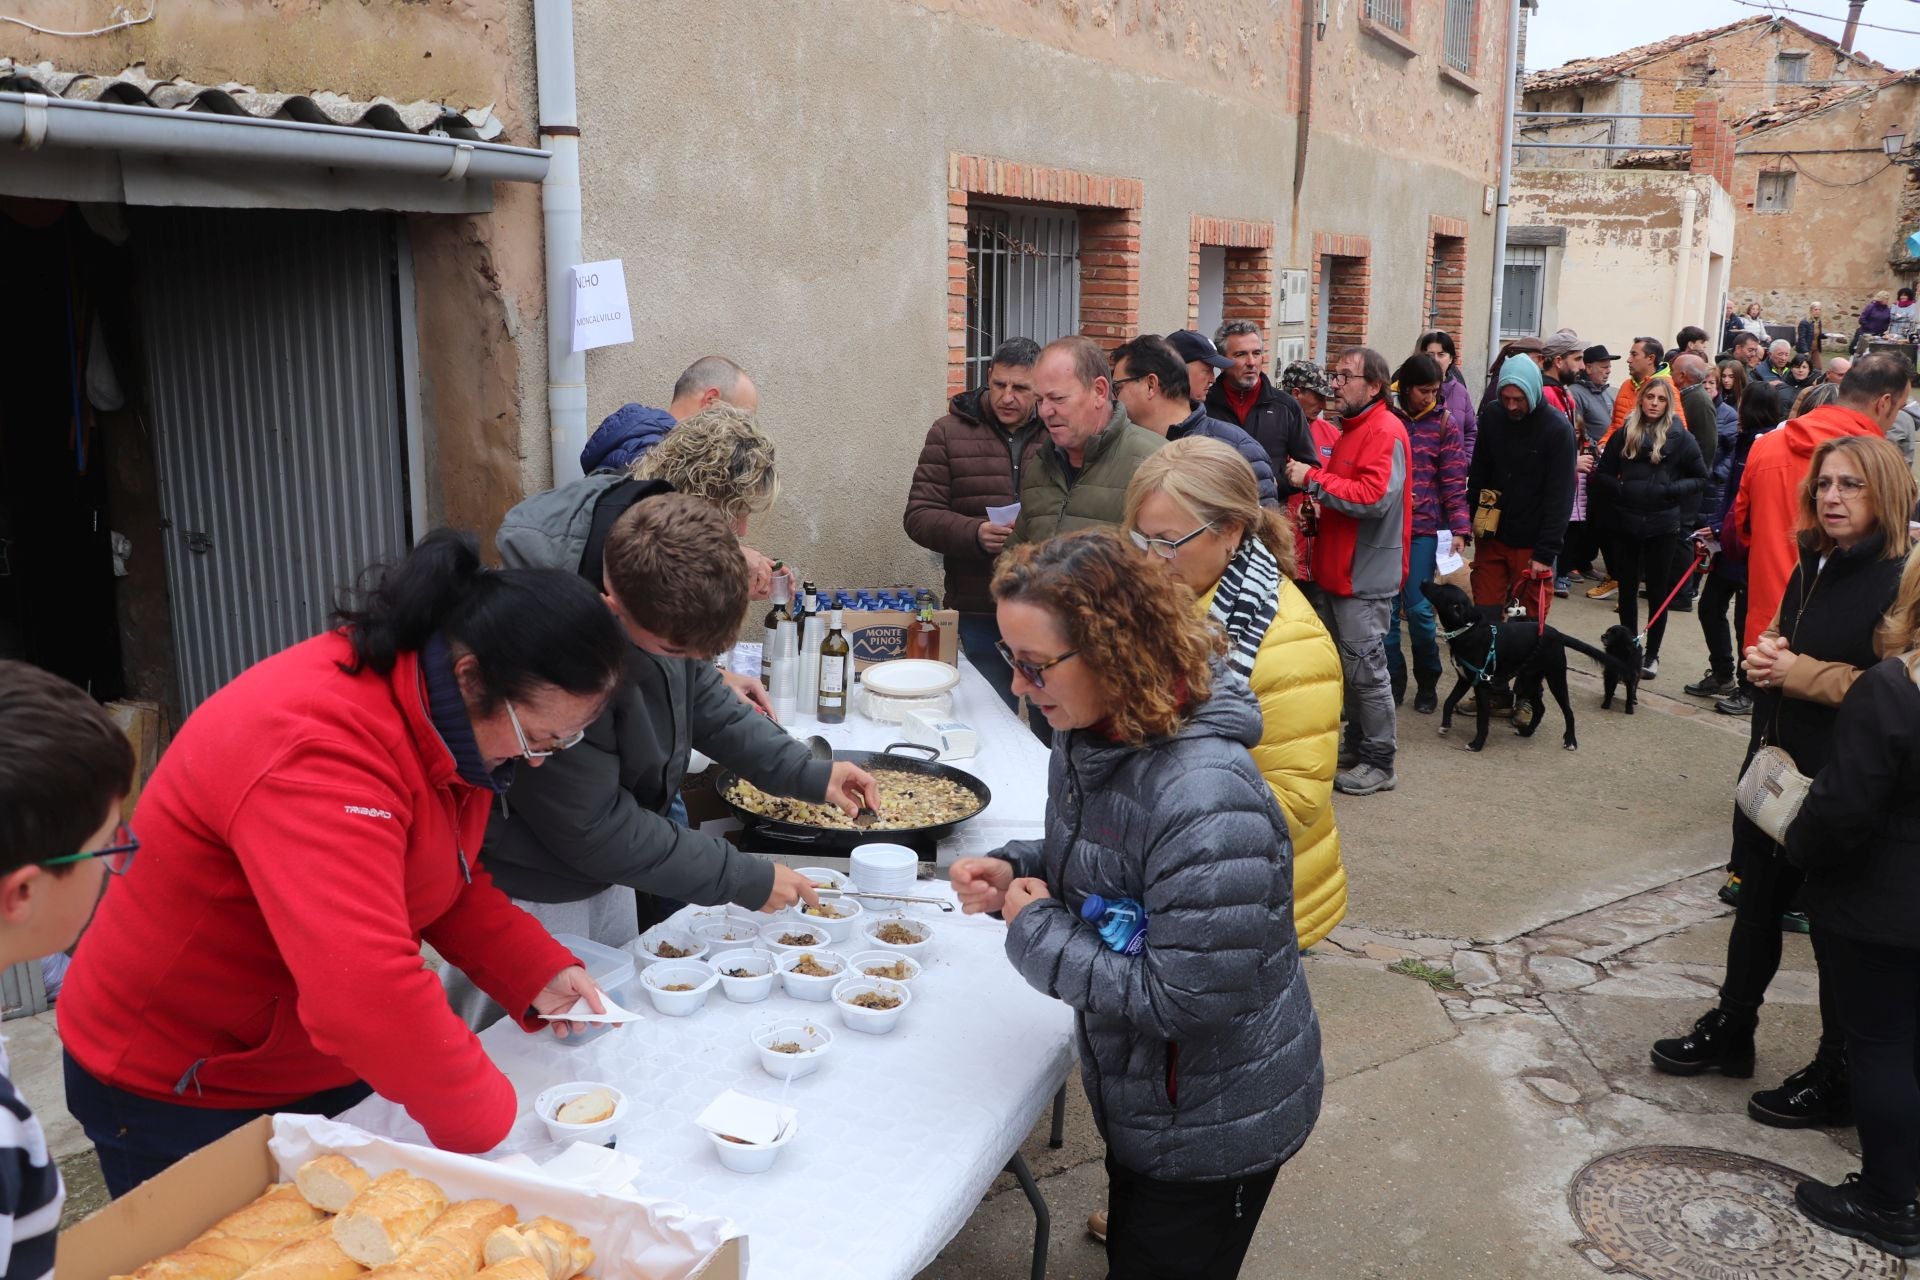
x: 310, y: 825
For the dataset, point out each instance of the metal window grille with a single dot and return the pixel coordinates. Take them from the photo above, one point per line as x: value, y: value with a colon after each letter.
x: 1521, y: 288
x: 1774, y: 193
x: 1388, y: 13
x: 1023, y: 279
x: 1793, y: 68
x: 1460, y: 34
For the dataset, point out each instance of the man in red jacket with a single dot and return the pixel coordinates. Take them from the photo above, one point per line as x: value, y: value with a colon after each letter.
x: 1360, y: 557
x: 1767, y: 507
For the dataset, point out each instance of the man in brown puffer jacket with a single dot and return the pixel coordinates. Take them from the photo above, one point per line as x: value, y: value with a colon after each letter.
x: 972, y: 460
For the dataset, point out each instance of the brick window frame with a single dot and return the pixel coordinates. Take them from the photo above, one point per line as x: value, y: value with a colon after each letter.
x: 1445, y: 303
x: 1109, y: 209
x: 1248, y: 288
x: 1351, y: 297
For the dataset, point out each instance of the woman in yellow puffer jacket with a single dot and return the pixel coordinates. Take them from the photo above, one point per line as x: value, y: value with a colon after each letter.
x: 1194, y: 503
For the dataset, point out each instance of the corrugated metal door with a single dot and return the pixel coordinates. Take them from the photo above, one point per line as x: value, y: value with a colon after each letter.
x: 272, y: 364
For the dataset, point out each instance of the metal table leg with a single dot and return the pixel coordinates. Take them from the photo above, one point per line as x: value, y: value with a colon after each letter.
x: 1058, y: 1138
x: 1042, y: 1220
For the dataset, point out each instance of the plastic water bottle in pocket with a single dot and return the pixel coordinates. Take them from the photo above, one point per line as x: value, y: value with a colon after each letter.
x: 1122, y: 923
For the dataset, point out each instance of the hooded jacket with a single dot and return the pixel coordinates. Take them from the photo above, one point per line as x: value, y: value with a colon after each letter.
x: 623, y: 436
x: 968, y: 463
x: 1051, y: 503
x: 595, y: 815
x: 1201, y: 1054
x: 1198, y: 423
x: 1439, y: 473
x: 1276, y: 422
x: 1648, y: 499
x: 1767, y: 508
x: 1366, y: 515
x: 1529, y: 461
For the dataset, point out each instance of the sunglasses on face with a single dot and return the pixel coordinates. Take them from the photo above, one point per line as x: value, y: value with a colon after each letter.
x: 526, y: 748
x: 1032, y: 672
x: 118, y: 856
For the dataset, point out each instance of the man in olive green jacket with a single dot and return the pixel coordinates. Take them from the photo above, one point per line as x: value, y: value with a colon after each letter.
x: 1081, y: 479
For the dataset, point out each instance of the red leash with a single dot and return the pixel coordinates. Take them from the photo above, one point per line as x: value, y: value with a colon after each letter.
x: 1699, y: 558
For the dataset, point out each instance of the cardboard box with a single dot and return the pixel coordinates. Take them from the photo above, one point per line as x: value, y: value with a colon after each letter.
x: 880, y: 635
x: 165, y: 1213
x: 146, y: 730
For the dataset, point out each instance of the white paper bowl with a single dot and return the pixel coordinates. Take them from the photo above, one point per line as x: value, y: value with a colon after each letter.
x: 875, y: 1022
x: 870, y: 927
x: 817, y: 1039
x: 805, y: 987
x: 839, y: 928
x: 859, y: 962
x: 726, y: 935
x: 744, y: 1157
x: 825, y: 877
x: 787, y: 926
x: 746, y: 990
x: 645, y: 954
x: 667, y: 973
x: 551, y: 1100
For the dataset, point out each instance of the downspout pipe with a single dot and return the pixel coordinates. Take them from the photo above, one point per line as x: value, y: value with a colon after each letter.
x: 560, y: 205
x: 1508, y: 102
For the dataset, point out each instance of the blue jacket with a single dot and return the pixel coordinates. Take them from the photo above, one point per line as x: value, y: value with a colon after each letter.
x: 628, y: 432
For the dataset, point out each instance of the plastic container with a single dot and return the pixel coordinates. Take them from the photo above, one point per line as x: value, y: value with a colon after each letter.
x: 681, y: 939
x: 746, y: 990
x: 839, y: 927
x: 551, y: 1100
x: 668, y: 973
x: 874, y: 1022
x: 919, y: 928
x: 825, y: 877
x: 1122, y: 923
x: 885, y: 868
x: 813, y: 1038
x: 803, y: 986
x: 725, y: 935
x: 861, y: 962
x: 611, y: 969
x: 815, y: 933
x: 752, y: 1157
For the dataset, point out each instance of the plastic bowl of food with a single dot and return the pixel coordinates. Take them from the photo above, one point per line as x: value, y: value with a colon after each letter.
x: 788, y: 934
x: 894, y: 966
x: 825, y: 877
x: 792, y: 1049
x: 900, y: 935
x: 662, y: 943
x: 872, y: 1005
x: 679, y: 987
x: 840, y: 925
x: 596, y: 1122
x: 747, y: 976
x: 752, y: 1157
x: 811, y: 975
x: 720, y: 934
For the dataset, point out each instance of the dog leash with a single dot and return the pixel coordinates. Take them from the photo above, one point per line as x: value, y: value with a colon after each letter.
x: 1699, y: 558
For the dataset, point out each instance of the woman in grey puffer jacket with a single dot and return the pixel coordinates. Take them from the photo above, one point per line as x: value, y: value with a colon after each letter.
x: 1201, y: 1053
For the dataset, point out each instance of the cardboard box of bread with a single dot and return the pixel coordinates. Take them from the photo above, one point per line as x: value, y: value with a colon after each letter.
x: 209, y: 1218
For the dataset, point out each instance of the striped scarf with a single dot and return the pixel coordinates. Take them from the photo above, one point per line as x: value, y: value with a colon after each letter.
x: 1245, y: 601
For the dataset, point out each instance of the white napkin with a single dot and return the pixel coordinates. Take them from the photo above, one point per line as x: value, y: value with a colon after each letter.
x: 1004, y: 515
x: 582, y: 1013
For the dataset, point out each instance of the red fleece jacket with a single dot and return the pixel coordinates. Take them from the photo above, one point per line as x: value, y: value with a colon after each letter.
x: 304, y: 832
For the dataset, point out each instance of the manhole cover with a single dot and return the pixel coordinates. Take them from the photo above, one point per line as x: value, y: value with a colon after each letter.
x: 1691, y: 1213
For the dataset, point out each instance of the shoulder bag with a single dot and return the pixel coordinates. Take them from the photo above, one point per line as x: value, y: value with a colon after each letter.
x: 1772, y: 788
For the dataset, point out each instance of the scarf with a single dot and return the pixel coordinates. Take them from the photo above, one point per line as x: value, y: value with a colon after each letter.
x: 1244, y: 602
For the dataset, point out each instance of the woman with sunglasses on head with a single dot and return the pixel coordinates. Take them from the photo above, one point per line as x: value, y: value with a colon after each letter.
x: 1199, y: 1046
x: 308, y: 828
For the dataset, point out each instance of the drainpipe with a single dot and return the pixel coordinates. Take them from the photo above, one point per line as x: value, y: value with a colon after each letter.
x: 1508, y: 96
x: 560, y: 202
x: 1683, y: 263
x: 1313, y: 28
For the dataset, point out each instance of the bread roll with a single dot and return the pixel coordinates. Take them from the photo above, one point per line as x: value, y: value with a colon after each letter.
x: 557, y: 1247
x: 312, y: 1255
x: 451, y: 1247
x: 395, y: 1210
x: 330, y: 1182
x: 588, y: 1108
x: 239, y: 1240
x: 520, y: 1268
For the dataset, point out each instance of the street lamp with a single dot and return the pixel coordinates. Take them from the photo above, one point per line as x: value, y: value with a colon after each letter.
x: 1894, y: 143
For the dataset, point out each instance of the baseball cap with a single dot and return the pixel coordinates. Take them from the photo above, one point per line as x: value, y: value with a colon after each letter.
x: 1197, y: 346
x: 1305, y: 375
x: 1564, y: 342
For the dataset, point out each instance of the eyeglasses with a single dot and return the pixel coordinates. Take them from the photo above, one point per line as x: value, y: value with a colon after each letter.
x: 1340, y: 377
x: 1121, y: 382
x: 1032, y: 672
x: 526, y: 748
x: 118, y: 855
x: 1850, y: 487
x: 1165, y: 548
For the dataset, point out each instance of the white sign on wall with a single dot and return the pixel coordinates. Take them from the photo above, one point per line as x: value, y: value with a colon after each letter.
x: 600, y: 316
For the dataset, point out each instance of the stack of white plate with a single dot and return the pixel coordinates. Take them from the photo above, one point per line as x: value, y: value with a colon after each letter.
x: 885, y: 868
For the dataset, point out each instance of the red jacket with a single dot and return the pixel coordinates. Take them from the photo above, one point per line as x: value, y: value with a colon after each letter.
x: 304, y: 832
x: 1366, y: 513
x: 1766, y: 511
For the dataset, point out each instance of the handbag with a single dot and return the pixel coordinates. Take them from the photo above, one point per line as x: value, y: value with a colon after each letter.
x: 1772, y: 788
x: 1486, y: 514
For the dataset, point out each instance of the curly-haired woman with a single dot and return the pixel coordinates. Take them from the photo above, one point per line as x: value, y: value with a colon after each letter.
x: 1200, y: 1050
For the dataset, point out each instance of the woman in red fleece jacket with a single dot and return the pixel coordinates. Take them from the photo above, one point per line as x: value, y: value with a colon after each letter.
x: 309, y: 826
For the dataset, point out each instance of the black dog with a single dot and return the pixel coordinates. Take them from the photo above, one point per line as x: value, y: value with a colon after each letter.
x: 1487, y: 650
x: 1618, y: 642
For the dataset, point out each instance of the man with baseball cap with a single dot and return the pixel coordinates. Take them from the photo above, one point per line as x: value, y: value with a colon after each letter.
x: 1204, y: 361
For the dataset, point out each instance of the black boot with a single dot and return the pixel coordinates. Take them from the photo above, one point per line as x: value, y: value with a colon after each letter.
x: 1426, y: 699
x: 1813, y: 1097
x: 1851, y: 1210
x: 1719, y: 1041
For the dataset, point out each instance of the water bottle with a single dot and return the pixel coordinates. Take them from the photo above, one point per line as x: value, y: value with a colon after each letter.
x: 1122, y: 923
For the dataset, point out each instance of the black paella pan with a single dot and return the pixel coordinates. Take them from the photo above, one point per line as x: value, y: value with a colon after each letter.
x: 874, y: 762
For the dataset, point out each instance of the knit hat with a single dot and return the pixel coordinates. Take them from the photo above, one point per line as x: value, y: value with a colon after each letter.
x: 1520, y: 371
x: 1564, y: 342
x: 1305, y: 375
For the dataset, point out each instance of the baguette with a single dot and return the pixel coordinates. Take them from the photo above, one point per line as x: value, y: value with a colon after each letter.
x: 238, y: 1241
x: 312, y: 1255
x: 516, y: 1268
x: 588, y: 1108
x: 393, y: 1211
x: 330, y: 1182
x: 557, y: 1247
x: 451, y: 1248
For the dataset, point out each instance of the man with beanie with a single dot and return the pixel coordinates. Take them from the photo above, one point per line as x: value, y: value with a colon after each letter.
x: 1520, y: 483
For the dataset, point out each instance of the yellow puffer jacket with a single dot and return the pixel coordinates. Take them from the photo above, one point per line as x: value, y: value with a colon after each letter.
x: 1296, y: 676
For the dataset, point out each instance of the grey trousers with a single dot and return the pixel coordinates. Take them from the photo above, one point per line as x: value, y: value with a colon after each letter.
x: 1359, y: 632
x: 610, y: 917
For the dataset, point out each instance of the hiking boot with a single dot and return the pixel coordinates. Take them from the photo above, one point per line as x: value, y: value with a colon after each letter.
x: 1850, y: 1209
x: 1605, y: 591
x: 1738, y: 705
x: 1795, y: 922
x: 1097, y: 1225
x: 1813, y: 1097
x: 1426, y: 695
x: 1717, y: 1042
x: 1713, y: 686
x: 1363, y: 780
x: 1730, y: 891
x: 1650, y: 668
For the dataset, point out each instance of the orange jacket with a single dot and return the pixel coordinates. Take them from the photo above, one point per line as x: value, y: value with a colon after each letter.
x: 1628, y: 397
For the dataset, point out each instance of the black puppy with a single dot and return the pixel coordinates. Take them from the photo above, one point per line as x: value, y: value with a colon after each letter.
x: 1625, y: 667
x: 1487, y: 649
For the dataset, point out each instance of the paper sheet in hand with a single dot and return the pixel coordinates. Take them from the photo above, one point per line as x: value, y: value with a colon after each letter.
x: 1004, y: 515
x: 582, y: 1013
x: 1445, y: 559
